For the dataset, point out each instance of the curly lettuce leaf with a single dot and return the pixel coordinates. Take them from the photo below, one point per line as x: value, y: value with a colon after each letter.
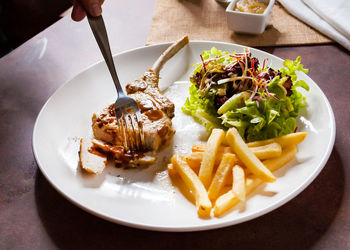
x: 201, y: 109
x: 274, y: 114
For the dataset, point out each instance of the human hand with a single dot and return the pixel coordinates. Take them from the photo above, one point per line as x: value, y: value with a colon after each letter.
x: 81, y: 7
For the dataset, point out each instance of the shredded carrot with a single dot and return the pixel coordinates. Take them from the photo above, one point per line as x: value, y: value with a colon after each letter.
x: 266, y: 59
x: 258, y: 83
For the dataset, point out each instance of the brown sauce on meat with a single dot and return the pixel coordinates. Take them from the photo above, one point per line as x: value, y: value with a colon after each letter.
x: 111, y: 110
x: 146, y: 105
x: 126, y: 157
x: 96, y: 151
x: 113, y: 149
x: 117, y: 152
x: 154, y: 114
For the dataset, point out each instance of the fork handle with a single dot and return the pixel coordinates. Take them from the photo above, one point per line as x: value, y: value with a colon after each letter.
x: 99, y: 30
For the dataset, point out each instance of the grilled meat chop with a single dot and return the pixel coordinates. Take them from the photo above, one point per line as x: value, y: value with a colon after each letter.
x: 156, y: 113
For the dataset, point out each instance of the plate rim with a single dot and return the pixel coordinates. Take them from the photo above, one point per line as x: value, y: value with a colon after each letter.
x: 217, y: 225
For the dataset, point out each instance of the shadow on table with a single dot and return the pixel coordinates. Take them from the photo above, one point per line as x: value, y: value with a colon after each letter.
x: 271, y: 34
x: 299, y: 224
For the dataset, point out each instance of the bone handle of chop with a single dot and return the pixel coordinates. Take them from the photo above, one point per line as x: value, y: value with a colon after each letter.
x: 169, y: 53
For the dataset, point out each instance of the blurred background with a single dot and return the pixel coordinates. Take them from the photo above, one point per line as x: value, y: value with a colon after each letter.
x: 22, y: 19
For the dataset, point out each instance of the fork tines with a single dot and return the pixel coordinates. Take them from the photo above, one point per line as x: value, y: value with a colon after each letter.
x: 132, y: 132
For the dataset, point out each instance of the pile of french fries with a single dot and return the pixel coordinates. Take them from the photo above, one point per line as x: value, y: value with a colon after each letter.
x: 222, y: 173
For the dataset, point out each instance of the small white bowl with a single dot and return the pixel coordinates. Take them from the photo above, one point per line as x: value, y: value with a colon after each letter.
x: 249, y: 23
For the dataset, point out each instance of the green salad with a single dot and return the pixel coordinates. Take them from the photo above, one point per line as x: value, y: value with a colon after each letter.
x: 235, y: 90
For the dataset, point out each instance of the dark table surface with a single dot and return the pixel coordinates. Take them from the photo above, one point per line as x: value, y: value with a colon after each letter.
x: 34, y: 216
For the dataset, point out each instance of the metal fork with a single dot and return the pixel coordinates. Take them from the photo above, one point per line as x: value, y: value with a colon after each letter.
x: 127, y: 111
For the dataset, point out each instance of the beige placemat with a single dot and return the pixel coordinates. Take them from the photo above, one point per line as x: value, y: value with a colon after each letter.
x: 206, y: 20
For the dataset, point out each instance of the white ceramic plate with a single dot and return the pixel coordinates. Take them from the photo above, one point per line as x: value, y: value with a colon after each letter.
x: 145, y: 198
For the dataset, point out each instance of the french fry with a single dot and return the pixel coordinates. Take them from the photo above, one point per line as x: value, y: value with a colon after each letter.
x: 207, y: 165
x: 287, y: 155
x: 202, y: 148
x: 250, y: 166
x: 247, y: 156
x: 194, y: 160
x: 267, y: 151
x: 171, y: 171
x: 264, y: 152
x: 218, y: 181
x: 224, y: 203
x: 192, y: 181
x: 228, y: 200
x: 229, y: 179
x: 238, y: 186
x: 285, y: 140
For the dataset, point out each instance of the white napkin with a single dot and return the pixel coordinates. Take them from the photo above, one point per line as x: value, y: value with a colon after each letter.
x: 308, y: 16
x: 335, y: 12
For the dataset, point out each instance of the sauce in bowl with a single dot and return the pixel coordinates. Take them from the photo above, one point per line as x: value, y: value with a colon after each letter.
x: 251, y: 6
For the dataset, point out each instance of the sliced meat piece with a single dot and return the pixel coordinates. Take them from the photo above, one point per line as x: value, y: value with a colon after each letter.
x: 91, y: 160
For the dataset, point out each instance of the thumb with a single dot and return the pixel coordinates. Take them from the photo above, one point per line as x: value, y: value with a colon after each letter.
x: 93, y: 7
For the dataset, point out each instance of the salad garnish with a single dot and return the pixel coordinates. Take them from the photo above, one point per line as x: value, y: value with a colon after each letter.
x: 232, y: 90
